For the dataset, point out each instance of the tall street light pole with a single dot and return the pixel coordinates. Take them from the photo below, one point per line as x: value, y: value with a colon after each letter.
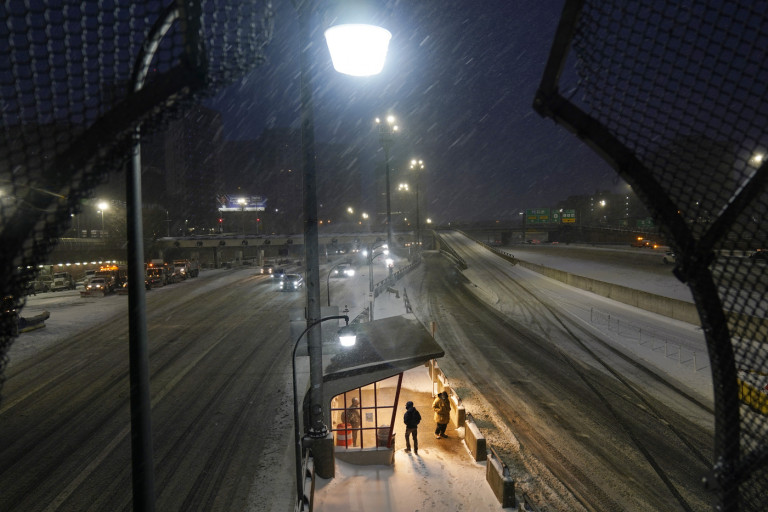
x: 317, y: 428
x: 418, y: 166
x: 387, y: 130
x: 297, y: 447
x: 345, y: 37
x: 142, y: 465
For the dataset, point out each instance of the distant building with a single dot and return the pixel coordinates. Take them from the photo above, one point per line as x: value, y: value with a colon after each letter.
x: 183, y: 167
x: 270, y: 166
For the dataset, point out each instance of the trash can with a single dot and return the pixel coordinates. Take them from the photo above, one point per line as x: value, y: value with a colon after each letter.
x: 382, y: 436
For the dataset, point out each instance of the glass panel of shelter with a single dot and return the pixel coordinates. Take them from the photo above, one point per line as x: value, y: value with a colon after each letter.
x: 362, y: 417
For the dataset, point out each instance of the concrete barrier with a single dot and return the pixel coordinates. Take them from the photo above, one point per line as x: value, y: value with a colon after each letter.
x: 672, y: 308
x: 458, y: 413
x: 474, y: 439
x: 440, y: 384
x: 498, y: 478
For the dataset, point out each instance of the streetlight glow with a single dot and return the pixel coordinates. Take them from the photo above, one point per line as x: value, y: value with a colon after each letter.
x: 358, y: 49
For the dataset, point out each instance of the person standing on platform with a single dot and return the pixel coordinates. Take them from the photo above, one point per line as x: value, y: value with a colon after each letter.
x: 442, y: 408
x: 411, y: 418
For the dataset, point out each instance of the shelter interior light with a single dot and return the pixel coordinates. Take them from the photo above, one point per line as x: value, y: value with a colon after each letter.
x: 357, y: 49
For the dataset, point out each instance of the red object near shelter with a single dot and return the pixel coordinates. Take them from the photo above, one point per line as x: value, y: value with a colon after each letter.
x: 343, y: 434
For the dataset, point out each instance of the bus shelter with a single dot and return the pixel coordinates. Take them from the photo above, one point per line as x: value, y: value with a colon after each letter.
x: 361, y: 385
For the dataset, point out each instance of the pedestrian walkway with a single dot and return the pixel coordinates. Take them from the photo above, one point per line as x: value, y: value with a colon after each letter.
x: 442, y: 476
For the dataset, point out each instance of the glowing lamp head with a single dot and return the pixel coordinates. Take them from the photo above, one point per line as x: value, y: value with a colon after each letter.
x: 347, y: 337
x: 357, y: 49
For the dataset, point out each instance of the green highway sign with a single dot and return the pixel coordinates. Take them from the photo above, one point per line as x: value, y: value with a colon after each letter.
x: 568, y: 216
x: 537, y: 216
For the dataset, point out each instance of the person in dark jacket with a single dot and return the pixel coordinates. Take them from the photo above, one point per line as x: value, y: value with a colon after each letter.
x: 411, y: 418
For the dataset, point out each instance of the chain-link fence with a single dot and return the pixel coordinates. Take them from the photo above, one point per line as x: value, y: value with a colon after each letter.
x: 674, y: 96
x: 77, y: 79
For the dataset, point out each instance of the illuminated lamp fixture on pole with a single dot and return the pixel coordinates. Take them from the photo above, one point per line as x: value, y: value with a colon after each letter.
x: 316, y: 430
x: 357, y: 47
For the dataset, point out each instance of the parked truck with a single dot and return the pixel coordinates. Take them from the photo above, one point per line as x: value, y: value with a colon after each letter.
x: 63, y: 281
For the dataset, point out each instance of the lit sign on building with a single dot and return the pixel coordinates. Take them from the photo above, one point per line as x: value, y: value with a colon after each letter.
x: 241, y: 203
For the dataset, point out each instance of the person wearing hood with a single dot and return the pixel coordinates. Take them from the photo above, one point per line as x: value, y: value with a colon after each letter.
x: 411, y: 418
x: 442, y: 408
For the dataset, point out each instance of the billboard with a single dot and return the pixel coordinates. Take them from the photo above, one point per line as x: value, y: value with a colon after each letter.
x: 241, y: 203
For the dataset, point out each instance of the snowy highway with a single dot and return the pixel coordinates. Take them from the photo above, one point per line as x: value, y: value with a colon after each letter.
x: 589, y: 415
x: 619, y: 423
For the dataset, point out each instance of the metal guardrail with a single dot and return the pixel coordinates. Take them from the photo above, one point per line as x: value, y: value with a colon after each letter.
x: 389, y: 280
x: 447, y: 249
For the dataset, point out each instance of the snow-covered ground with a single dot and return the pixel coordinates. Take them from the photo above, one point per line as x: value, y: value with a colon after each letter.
x: 439, y: 477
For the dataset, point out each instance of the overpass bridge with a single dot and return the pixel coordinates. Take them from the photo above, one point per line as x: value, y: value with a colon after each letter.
x: 216, y: 250
x: 219, y: 249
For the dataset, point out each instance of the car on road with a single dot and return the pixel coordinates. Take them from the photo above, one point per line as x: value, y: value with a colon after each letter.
x: 343, y: 270
x: 268, y: 269
x: 279, y: 273
x: 759, y: 255
x: 668, y: 258
x: 291, y: 283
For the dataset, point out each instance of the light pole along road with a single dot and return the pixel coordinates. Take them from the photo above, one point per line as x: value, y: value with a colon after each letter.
x: 417, y: 165
x: 387, y: 131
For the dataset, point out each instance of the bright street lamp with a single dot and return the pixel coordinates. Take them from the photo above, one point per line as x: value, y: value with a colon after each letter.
x: 387, y: 130
x: 357, y: 49
x: 102, y: 206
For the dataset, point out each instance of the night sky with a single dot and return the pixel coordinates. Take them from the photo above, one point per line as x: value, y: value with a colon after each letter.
x: 460, y: 78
